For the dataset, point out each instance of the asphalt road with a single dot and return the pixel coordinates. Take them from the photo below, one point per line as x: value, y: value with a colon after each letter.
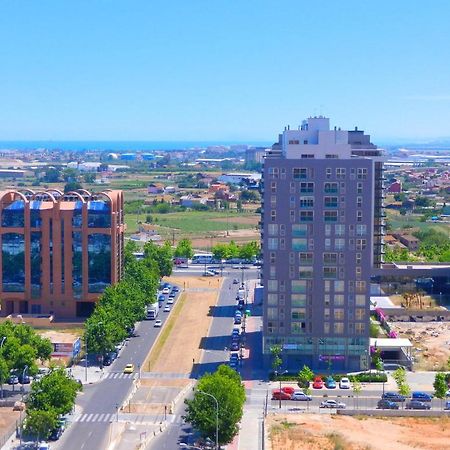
x: 101, y: 400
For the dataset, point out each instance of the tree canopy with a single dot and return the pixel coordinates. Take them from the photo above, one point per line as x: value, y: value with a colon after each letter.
x: 184, y: 249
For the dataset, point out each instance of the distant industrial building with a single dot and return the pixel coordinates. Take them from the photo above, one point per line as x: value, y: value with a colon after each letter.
x: 255, y: 155
x: 59, y: 251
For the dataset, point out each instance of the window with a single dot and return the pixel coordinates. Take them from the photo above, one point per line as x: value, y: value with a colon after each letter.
x: 272, y: 313
x: 298, y: 299
x: 282, y: 229
x: 272, y: 229
x: 299, y: 245
x: 340, y: 172
x: 299, y: 173
x: 326, y: 298
x: 360, y: 313
x: 306, y: 188
x: 339, y: 244
x: 330, y: 202
x: 328, y: 172
x: 282, y: 244
x: 273, y: 215
x: 327, y: 243
x: 338, y: 314
x: 291, y: 201
x: 272, y: 244
x: 327, y: 286
x: 294, y: 142
x: 298, y: 327
x: 359, y: 188
x: 283, y: 173
x: 358, y: 272
x: 326, y: 327
x: 272, y: 257
x: 362, y: 173
x: 99, y: 262
x: 292, y: 187
x: 330, y: 216
x: 273, y: 172
x: 338, y: 300
x: 311, y: 244
x: 305, y: 141
x: 331, y: 156
x: 298, y: 313
x: 305, y: 258
x: 273, y: 201
x: 338, y: 286
x: 361, y: 230
x: 360, y: 287
x: 338, y: 328
x: 361, y: 244
x: 359, y: 202
x: 271, y: 327
x: 358, y: 258
x: 339, y: 230
x: 360, y: 300
x: 273, y: 271
x: 330, y: 258
x: 306, y: 155
x: 359, y: 216
x: 298, y: 286
x: 360, y: 328
x: 341, y: 258
x: 292, y: 215
x: 13, y: 258
x: 306, y: 202
x: 305, y: 272
x: 306, y: 216
x: 330, y: 272
x: 326, y: 314
x: 299, y: 230
x: 331, y: 188
x: 272, y: 285
x: 291, y: 258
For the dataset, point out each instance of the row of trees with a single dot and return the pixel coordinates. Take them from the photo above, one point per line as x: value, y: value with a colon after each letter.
x: 233, y: 250
x: 20, y: 348
x: 50, y: 397
x: 123, y: 304
x: 224, y: 387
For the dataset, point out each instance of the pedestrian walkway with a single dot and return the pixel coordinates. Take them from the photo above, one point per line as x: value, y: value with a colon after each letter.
x: 164, y: 375
x: 119, y: 375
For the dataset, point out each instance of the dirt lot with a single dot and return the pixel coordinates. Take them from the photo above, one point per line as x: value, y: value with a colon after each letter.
x: 183, y: 343
x: 331, y: 432
x: 8, y: 418
x: 238, y: 236
x: 431, y: 341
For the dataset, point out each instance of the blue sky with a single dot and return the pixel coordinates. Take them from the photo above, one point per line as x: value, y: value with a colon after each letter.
x: 225, y: 70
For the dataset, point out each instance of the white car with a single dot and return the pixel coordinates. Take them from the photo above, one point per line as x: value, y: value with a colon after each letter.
x: 301, y: 396
x: 170, y: 301
x: 166, y: 291
x: 344, y: 383
x: 166, y: 308
x: 447, y: 394
x: 332, y: 404
x: 157, y: 323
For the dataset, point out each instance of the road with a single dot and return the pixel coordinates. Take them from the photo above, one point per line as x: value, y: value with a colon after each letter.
x: 100, y: 402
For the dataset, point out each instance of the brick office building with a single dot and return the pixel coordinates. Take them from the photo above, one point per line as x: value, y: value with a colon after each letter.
x: 59, y: 251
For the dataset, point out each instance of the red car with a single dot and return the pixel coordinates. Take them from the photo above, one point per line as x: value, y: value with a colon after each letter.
x: 280, y: 395
x: 288, y: 389
x: 318, y: 383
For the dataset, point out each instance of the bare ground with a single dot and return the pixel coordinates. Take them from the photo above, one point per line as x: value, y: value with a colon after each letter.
x: 331, y: 432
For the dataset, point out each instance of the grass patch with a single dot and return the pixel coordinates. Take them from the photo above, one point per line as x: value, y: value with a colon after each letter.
x: 165, y: 333
x: 339, y: 442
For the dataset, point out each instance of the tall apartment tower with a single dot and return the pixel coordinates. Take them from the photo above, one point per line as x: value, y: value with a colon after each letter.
x: 59, y: 251
x: 322, y: 228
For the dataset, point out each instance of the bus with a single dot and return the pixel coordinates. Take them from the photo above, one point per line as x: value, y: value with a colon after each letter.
x: 203, y: 258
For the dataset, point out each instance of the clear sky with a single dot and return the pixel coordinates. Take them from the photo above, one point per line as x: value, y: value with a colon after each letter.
x: 226, y: 70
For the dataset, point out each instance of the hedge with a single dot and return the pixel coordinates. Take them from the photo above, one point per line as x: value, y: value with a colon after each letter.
x: 361, y: 377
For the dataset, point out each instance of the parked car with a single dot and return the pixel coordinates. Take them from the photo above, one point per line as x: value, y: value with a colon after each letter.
x: 166, y: 308
x: 13, y: 379
x: 234, y: 347
x: 288, y: 389
x: 171, y: 296
x: 317, y: 383
x: 280, y: 395
x: 447, y: 405
x: 386, y: 404
x: 161, y: 297
x: 24, y: 379
x: 55, y: 434
x: 235, y: 281
x: 107, y: 360
x: 166, y: 290
x: 175, y: 289
x: 393, y: 397
x: 131, y: 331
x: 332, y: 404
x: 330, y: 383
x: 447, y: 394
x: 423, y: 396
x: 417, y: 404
x: 301, y: 396
x: 208, y: 273
x: 157, y: 324
x: 344, y: 383
x: 235, y: 332
x: 170, y: 301
x: 237, y: 320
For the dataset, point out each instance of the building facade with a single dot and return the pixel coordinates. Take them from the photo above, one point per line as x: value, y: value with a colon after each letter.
x: 322, y: 228
x: 59, y: 251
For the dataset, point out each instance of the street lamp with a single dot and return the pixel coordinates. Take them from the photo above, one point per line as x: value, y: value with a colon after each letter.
x: 280, y: 374
x: 217, y: 415
x: 1, y: 375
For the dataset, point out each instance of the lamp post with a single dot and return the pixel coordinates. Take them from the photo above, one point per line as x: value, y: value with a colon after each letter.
x: 1, y: 375
x: 279, y: 374
x: 217, y: 415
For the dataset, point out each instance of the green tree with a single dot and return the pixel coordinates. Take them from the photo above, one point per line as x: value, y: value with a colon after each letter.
x: 184, y: 249
x: 70, y: 174
x: 250, y: 196
x: 130, y: 248
x: 227, y: 388
x: 440, y: 385
x: 72, y: 186
x: 89, y: 178
x: 55, y: 392
x: 51, y: 175
x: 249, y: 250
x: 357, y: 388
x: 220, y: 251
x: 4, y: 374
x: 275, y: 351
x: 162, y: 255
x: 40, y: 423
x: 305, y: 376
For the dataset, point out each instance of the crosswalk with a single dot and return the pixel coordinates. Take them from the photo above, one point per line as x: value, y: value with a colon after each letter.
x: 119, y: 376
x: 174, y: 419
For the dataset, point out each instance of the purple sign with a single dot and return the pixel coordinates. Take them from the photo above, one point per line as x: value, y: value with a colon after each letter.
x: 331, y: 357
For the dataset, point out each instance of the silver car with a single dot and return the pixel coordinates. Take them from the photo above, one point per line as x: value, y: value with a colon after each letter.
x: 332, y: 404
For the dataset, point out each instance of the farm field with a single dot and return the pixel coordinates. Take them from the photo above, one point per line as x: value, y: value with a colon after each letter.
x: 399, y: 222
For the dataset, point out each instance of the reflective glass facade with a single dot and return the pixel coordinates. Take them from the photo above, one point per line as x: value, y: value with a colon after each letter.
x: 77, y: 264
x: 13, y: 215
x: 99, y: 257
x: 99, y: 214
x: 36, y: 259
x: 13, y: 262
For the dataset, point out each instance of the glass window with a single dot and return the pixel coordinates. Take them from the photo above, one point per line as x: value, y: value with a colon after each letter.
x: 99, y: 261
x: 297, y: 327
x: 99, y: 214
x: 330, y: 202
x: 35, y: 263
x: 306, y: 188
x: 305, y: 272
x: 339, y: 244
x: 298, y: 313
x: 306, y: 216
x: 299, y: 245
x: 272, y: 285
x: 272, y: 313
x: 361, y: 230
x: 305, y: 258
x: 77, y: 264
x: 298, y: 286
x: 331, y: 188
x: 338, y: 328
x: 272, y: 299
x: 13, y: 215
x: 360, y: 313
x: 330, y: 258
x: 339, y: 230
x: 299, y: 230
x: 360, y: 300
x: 338, y: 300
x: 330, y: 216
x: 299, y: 173
x: 272, y: 229
x: 77, y: 216
x: 339, y: 286
x: 298, y: 299
x: 306, y: 202
x: 35, y: 214
x: 13, y: 262
x: 330, y: 272
x: 272, y: 243
x: 338, y: 314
